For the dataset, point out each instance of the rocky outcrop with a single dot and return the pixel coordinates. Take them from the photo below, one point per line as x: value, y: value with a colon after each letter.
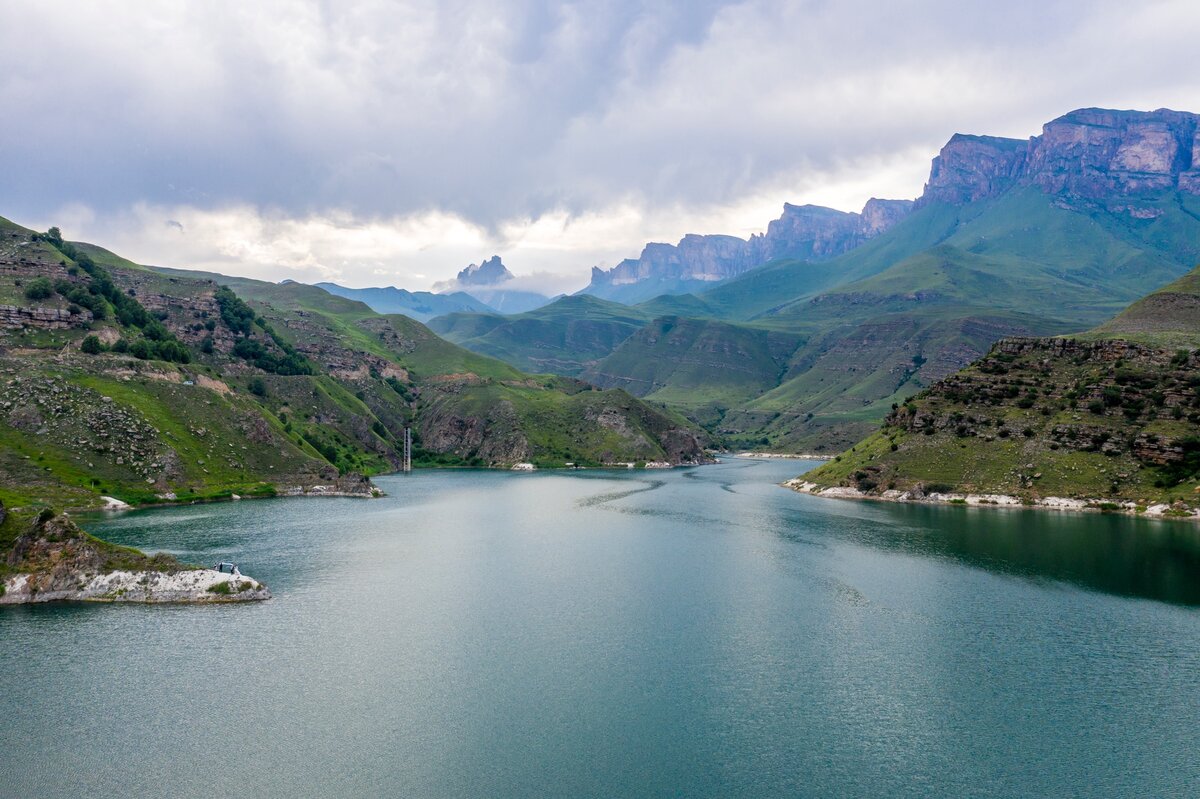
x: 1092, y: 154
x: 1041, y: 418
x: 351, y: 484
x: 15, y: 317
x: 707, y: 258
x: 809, y: 232
x: 56, y: 561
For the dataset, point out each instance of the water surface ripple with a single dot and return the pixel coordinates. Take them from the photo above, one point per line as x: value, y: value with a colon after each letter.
x: 683, y: 633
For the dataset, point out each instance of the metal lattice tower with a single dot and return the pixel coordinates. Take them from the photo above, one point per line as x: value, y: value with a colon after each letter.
x: 407, y: 450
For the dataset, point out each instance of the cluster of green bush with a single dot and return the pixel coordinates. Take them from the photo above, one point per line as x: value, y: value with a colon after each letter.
x: 143, y: 348
x: 100, y: 295
x: 241, y: 320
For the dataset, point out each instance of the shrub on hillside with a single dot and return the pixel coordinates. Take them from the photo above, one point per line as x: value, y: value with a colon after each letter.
x: 39, y: 289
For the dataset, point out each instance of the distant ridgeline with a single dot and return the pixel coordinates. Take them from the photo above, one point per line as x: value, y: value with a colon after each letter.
x: 1110, y: 417
x: 803, y: 338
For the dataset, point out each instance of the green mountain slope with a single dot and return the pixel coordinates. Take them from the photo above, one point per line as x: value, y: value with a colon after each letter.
x: 157, y: 385
x: 701, y: 366
x: 1167, y: 318
x: 1109, y: 416
x: 876, y: 324
x: 563, y: 337
x: 1023, y: 264
x: 757, y: 293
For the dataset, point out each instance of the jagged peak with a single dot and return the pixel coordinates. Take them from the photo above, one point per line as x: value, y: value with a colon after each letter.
x: 488, y: 272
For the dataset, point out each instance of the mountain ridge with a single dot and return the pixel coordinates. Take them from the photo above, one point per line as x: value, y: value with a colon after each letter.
x: 808, y: 231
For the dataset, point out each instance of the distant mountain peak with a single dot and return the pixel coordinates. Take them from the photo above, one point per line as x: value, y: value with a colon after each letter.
x: 488, y: 273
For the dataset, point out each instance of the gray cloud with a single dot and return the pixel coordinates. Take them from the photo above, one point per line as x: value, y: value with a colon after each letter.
x: 513, y: 109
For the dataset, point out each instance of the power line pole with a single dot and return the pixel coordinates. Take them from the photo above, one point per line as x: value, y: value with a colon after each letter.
x: 407, y: 450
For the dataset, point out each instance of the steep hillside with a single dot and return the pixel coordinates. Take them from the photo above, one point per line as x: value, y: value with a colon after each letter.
x: 1107, y: 418
x: 1011, y: 237
x: 1168, y: 318
x: 167, y: 385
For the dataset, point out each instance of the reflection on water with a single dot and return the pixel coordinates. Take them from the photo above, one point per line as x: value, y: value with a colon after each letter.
x: 1126, y: 556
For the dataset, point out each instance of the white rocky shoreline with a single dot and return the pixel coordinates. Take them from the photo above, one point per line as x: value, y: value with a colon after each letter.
x: 1124, y: 506
x: 190, y: 586
x: 788, y: 456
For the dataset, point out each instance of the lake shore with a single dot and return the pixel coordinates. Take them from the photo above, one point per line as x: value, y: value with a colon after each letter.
x: 791, y: 456
x: 188, y: 586
x: 1125, y: 507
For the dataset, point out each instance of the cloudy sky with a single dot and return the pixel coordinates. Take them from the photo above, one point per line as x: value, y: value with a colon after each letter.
x: 378, y: 143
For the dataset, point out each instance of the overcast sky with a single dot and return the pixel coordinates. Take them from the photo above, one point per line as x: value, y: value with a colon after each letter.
x: 378, y: 143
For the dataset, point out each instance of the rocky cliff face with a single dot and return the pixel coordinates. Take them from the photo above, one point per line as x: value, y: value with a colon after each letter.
x: 1092, y: 154
x: 810, y: 232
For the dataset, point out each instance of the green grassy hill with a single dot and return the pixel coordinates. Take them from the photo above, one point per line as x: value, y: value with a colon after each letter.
x: 1168, y: 318
x: 1112, y: 415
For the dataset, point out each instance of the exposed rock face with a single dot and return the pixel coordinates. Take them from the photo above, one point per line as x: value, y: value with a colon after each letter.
x: 15, y: 317
x: 708, y: 258
x: 1140, y: 385
x: 971, y: 168
x: 1093, y: 154
x: 811, y: 232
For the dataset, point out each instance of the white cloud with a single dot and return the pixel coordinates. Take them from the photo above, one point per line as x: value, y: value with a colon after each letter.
x: 307, y: 139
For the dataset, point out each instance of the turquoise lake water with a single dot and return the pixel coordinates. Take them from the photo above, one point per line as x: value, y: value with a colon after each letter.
x: 697, y: 632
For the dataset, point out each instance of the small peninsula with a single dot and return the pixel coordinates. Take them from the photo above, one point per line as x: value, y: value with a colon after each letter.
x: 51, y: 559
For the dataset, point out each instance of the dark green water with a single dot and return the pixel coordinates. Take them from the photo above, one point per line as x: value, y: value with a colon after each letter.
x: 688, y: 633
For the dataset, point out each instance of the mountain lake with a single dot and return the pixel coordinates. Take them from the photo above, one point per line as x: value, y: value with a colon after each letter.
x: 689, y: 632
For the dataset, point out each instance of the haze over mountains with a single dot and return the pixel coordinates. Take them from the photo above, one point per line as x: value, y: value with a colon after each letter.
x: 490, y: 282
x: 1010, y: 237
x: 478, y: 287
